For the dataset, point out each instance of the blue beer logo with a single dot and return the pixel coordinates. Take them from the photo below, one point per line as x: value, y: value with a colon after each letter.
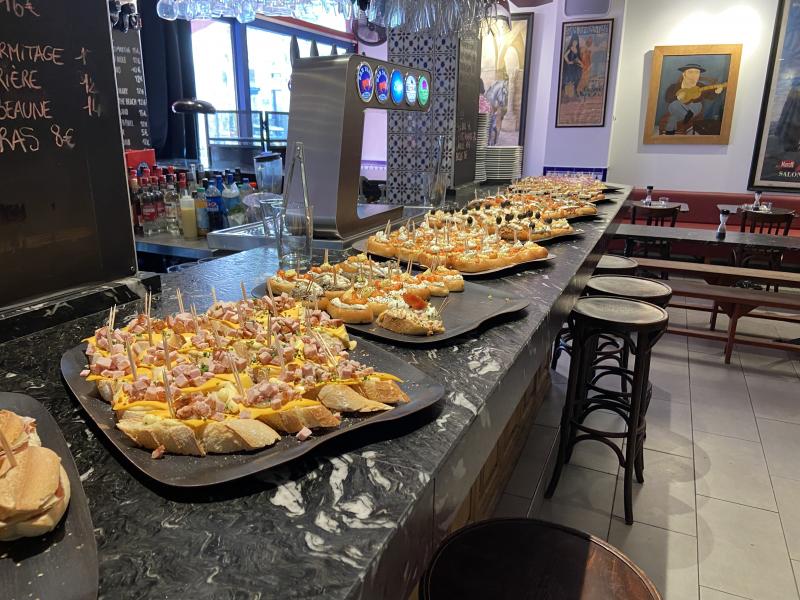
x: 364, y: 79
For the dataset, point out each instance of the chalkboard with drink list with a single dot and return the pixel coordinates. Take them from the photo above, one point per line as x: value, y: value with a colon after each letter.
x: 65, y: 217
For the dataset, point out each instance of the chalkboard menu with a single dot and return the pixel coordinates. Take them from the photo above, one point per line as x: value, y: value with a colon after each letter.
x: 64, y: 215
x: 466, y: 129
x: 130, y: 89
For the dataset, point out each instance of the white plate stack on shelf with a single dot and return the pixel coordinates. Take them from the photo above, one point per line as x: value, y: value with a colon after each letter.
x: 480, y: 147
x: 503, y: 162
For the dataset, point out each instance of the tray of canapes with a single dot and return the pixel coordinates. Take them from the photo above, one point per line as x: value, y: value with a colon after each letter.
x: 393, y: 304
x: 201, y: 398
x: 583, y: 189
x: 47, y: 544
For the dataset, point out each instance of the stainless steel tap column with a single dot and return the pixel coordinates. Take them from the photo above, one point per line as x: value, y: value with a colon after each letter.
x: 328, y: 99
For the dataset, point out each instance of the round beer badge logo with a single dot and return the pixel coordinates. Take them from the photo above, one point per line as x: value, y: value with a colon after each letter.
x: 397, y: 86
x: 381, y: 84
x: 364, y: 80
x: 423, y: 90
x: 411, y: 89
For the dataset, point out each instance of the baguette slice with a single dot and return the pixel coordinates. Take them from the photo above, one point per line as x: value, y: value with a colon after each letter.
x: 350, y: 313
x: 338, y: 396
x: 151, y: 432
x: 379, y: 247
x: 292, y: 420
x: 406, y: 322
x: 235, y: 435
x: 384, y: 391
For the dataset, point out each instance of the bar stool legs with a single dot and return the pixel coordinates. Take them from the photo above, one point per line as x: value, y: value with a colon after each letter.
x: 638, y: 325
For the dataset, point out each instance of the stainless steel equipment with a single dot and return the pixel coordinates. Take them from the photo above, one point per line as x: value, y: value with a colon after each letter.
x: 329, y: 96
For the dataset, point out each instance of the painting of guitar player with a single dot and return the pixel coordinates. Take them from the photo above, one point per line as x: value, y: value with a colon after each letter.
x: 692, y: 92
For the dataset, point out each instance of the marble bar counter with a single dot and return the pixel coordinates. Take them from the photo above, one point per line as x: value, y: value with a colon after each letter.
x: 361, y: 517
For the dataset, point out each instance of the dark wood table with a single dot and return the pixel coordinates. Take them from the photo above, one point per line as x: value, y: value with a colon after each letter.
x: 706, y: 236
x: 656, y: 204
x: 737, y: 208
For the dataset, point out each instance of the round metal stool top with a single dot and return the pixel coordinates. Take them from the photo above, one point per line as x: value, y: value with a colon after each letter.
x: 621, y: 312
x: 505, y: 559
x: 628, y: 286
x: 611, y: 263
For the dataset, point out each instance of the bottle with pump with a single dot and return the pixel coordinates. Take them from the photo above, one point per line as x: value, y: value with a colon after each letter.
x: 649, y: 198
x: 757, y: 201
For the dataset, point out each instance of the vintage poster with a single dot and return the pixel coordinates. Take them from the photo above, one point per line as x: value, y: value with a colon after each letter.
x: 692, y: 93
x: 583, y: 76
x: 505, y: 56
x: 776, y: 160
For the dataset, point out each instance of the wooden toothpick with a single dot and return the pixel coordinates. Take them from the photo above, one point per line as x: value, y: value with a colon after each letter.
x: 213, y: 296
x: 7, y: 449
x: 235, y: 370
x: 180, y: 300
x: 272, y: 299
x: 134, y: 374
x: 244, y: 292
x: 164, y: 344
x: 168, y: 393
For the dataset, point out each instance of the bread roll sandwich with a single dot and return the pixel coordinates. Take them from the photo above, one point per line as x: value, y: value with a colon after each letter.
x: 34, y: 494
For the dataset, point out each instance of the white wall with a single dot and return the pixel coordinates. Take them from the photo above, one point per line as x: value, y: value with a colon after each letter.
x: 546, y: 144
x: 650, y: 23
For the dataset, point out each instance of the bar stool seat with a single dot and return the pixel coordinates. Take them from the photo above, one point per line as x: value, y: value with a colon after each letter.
x: 638, y: 325
x: 510, y: 559
x: 629, y: 286
x: 611, y: 264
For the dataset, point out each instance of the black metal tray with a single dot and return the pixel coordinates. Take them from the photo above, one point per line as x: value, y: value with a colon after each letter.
x: 193, y: 471
x: 466, y: 311
x: 63, y: 563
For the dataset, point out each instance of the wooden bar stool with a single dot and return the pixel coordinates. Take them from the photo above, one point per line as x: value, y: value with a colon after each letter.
x: 639, y: 324
x: 512, y: 559
x: 611, y: 264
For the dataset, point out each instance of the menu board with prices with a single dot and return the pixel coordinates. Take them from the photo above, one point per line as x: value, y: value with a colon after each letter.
x: 65, y: 216
x: 131, y: 89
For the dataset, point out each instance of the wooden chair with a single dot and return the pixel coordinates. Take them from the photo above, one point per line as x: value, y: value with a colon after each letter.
x: 655, y: 216
x: 767, y: 223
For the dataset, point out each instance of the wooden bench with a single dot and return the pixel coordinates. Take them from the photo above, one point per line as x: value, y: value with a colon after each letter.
x: 721, y: 274
x: 736, y: 303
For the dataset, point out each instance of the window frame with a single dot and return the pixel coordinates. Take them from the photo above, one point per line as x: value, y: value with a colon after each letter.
x: 281, y: 25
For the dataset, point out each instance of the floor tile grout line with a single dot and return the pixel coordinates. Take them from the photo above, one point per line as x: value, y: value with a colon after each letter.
x: 774, y: 512
x: 774, y: 496
x: 661, y: 527
x: 732, y: 437
x: 694, y: 472
x: 724, y: 592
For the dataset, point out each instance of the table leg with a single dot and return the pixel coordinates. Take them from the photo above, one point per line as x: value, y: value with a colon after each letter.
x: 731, y: 334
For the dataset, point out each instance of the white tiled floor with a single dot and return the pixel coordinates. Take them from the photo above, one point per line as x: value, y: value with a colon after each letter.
x: 718, y: 517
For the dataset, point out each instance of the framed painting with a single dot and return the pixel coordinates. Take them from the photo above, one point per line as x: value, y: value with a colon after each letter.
x: 583, y: 75
x: 691, y: 94
x: 505, y: 62
x: 776, y: 156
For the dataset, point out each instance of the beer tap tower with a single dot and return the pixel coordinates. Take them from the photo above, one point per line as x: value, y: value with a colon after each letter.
x: 328, y: 99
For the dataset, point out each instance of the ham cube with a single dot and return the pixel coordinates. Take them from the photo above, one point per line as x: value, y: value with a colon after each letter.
x: 103, y: 362
x: 303, y: 434
x: 181, y: 381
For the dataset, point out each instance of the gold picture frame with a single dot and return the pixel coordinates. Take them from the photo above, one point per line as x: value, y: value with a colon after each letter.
x: 692, y: 93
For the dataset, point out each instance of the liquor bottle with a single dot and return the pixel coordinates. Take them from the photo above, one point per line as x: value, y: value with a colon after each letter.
x: 188, y: 217
x: 237, y: 175
x: 160, y: 186
x: 214, y: 208
x: 171, y: 207
x: 149, y: 208
x: 201, y: 211
x: 136, y: 209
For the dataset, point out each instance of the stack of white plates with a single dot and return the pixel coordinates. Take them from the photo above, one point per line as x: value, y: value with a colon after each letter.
x: 503, y: 162
x: 480, y: 147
